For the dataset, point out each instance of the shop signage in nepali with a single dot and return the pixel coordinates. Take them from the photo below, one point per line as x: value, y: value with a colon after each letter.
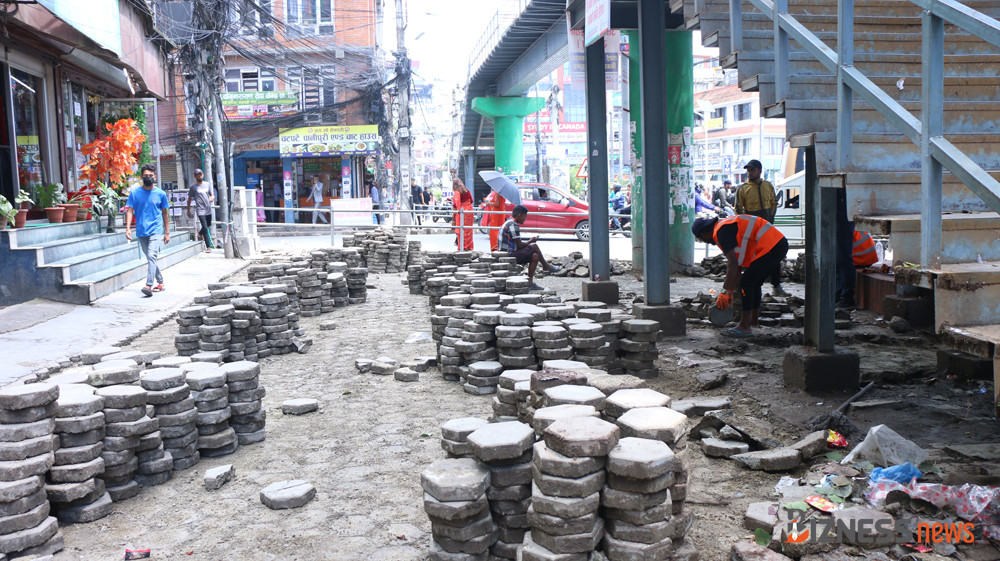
x: 259, y: 105
x: 359, y: 140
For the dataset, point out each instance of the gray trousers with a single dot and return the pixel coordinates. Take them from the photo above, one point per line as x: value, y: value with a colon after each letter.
x: 150, y: 246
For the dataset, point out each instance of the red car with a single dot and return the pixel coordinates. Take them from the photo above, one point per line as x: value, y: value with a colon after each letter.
x: 542, y: 201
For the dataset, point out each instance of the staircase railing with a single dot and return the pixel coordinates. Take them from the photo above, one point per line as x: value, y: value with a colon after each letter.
x: 936, y: 152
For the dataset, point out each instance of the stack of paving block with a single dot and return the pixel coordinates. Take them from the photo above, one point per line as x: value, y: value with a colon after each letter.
x: 248, y: 337
x: 483, y: 377
x: 216, y: 329
x: 518, y: 285
x: 291, y: 281
x: 357, y: 285
x: 126, y: 422
x: 275, y: 323
x: 263, y: 272
x: 573, y: 394
x: 449, y: 356
x: 455, y: 434
x: 245, y: 395
x: 326, y: 303
x: 612, y: 335
x: 568, y: 475
x: 545, y: 416
x: 590, y: 346
x: 436, y: 288
x: 511, y: 381
x: 211, y: 399
x: 75, y: 492
x: 310, y: 293
x: 505, y: 449
x: 189, y: 319
x: 339, y: 291
x: 169, y: 395
x: 455, y: 501
x: 27, y: 413
x: 414, y: 280
x: 413, y: 254
x: 179, y: 434
x: 638, y: 347
x: 476, y: 345
x: 551, y: 342
x: 439, y: 322
x: 515, y: 347
x: 539, y: 382
x: 318, y: 260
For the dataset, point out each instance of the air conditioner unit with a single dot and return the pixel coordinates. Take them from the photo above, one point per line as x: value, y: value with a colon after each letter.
x: 313, y: 118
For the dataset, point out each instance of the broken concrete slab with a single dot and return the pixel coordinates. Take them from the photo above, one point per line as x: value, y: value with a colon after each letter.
x: 458, y: 430
x: 763, y: 515
x: 287, y: 494
x: 777, y: 459
x: 216, y: 477
x: 299, y: 406
x: 812, y: 445
x: 406, y: 375
x: 748, y: 551
x: 717, y: 448
x: 698, y: 406
x: 712, y: 379
x: 624, y: 400
x: 756, y: 432
x: 547, y: 415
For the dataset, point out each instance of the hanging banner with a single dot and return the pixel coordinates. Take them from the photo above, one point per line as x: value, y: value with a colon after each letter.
x: 577, y: 60
x: 241, y: 106
x: 598, y: 20
x: 329, y: 141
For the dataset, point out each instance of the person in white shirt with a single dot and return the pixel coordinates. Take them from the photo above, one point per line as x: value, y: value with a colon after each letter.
x: 316, y: 195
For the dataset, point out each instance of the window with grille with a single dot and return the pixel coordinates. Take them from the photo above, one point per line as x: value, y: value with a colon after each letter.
x: 313, y: 16
x: 741, y: 146
x: 742, y: 112
x: 773, y: 146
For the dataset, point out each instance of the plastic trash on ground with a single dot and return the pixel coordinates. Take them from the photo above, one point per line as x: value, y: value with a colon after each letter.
x: 903, y: 473
x: 418, y: 337
x: 835, y: 440
x: 975, y: 503
x: 882, y: 446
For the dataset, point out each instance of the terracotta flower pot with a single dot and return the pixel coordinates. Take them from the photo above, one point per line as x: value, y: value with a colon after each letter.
x: 55, y: 214
x: 21, y: 218
x: 82, y: 214
x: 70, y: 214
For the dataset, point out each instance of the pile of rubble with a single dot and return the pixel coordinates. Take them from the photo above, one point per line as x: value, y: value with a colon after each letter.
x: 112, y: 423
x: 715, y: 268
x: 600, y: 466
x: 384, y: 249
x: 574, y: 265
x: 774, y: 311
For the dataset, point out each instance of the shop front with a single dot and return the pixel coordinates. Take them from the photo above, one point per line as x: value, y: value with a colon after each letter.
x: 336, y: 157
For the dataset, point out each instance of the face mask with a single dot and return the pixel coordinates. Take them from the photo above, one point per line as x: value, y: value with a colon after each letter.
x: 147, y: 181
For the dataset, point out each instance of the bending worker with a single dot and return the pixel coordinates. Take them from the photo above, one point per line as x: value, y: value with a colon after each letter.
x: 753, y: 249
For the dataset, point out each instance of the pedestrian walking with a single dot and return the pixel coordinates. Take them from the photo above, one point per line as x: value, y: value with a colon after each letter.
x: 752, y: 247
x: 416, y: 200
x: 463, y: 221
x: 202, y: 195
x: 150, y: 206
x: 496, y: 204
x: 374, y: 194
x: 756, y: 197
x: 316, y: 196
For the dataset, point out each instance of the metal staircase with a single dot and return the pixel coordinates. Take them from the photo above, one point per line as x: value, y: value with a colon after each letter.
x: 899, y: 100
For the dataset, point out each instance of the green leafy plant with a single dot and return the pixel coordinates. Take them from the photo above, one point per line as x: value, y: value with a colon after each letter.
x: 23, y: 197
x: 50, y: 195
x: 7, y: 211
x: 105, y: 201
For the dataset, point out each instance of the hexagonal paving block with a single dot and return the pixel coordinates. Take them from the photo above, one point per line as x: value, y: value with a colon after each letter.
x: 641, y: 458
x: 584, y: 436
x: 501, y: 441
x: 547, y: 415
x: 624, y: 400
x: 462, y: 479
x: 656, y: 423
x: 575, y: 395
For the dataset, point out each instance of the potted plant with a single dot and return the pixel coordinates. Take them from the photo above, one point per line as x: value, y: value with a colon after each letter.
x: 23, y: 198
x: 7, y: 212
x: 105, y: 201
x: 50, y: 196
x: 82, y: 200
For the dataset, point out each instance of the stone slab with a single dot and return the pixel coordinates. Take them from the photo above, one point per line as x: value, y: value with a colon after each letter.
x: 287, y: 494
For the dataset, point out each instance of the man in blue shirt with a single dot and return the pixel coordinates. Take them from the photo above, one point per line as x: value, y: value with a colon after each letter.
x: 152, y: 224
x: 617, y: 202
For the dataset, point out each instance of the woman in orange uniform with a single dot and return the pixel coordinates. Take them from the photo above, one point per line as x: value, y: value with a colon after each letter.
x: 462, y: 200
x: 495, y: 221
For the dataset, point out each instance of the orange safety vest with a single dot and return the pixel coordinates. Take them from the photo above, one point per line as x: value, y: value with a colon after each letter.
x: 864, y: 250
x: 755, y: 235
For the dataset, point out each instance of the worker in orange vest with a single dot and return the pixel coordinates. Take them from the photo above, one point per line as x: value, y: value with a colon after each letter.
x: 863, y: 250
x: 753, y: 249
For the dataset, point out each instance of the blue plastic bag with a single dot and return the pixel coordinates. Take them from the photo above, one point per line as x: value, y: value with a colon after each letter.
x: 903, y: 473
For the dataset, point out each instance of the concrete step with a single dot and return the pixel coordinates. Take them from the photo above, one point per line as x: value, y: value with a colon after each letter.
x: 814, y: 115
x: 956, y: 89
x: 751, y: 63
x: 36, y: 234
x: 965, y: 237
x: 965, y: 294
x: 882, y: 193
x: 85, y: 264
x: 51, y: 252
x: 86, y: 289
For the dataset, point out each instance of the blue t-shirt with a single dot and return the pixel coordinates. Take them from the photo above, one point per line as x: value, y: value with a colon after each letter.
x: 147, y: 206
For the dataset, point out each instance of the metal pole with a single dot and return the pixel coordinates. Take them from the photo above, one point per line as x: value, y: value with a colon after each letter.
x: 780, y: 52
x: 404, y: 129
x: 333, y: 237
x: 845, y: 95
x: 932, y: 86
x: 597, y: 143
x: 656, y: 254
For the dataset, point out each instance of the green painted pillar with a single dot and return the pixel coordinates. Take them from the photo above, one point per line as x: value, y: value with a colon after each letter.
x: 680, y: 145
x: 635, y: 145
x: 508, y: 115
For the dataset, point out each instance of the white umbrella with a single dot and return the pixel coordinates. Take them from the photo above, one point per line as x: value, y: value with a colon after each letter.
x: 502, y: 185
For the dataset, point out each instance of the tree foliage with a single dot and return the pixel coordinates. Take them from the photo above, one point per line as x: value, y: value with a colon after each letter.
x: 111, y: 157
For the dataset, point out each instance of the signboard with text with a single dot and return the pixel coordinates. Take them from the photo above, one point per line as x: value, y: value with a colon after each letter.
x: 360, y: 140
x: 241, y: 106
x: 598, y: 20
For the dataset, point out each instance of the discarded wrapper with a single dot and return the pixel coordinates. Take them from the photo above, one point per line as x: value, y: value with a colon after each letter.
x: 975, y: 503
x: 821, y: 503
x: 137, y: 554
x: 835, y: 440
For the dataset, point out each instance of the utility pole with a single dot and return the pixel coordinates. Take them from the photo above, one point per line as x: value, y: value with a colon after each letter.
x: 403, y: 130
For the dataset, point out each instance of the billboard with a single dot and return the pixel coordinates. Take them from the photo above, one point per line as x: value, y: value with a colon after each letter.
x: 360, y: 140
x: 241, y: 106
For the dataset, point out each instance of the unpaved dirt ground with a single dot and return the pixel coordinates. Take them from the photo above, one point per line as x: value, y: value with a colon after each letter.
x: 364, y: 450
